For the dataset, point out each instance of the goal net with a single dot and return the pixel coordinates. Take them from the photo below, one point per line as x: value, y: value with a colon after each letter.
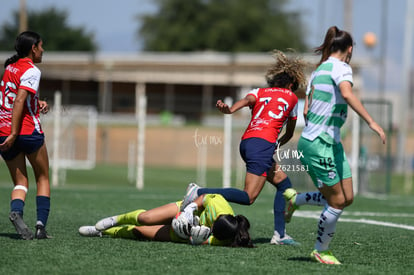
x: 375, y: 164
x: 71, y: 138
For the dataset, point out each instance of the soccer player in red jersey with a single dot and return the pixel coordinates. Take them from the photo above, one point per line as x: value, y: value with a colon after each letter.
x: 272, y: 108
x: 21, y: 134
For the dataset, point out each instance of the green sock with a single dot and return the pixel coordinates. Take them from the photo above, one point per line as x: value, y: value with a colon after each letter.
x: 130, y: 217
x: 122, y: 231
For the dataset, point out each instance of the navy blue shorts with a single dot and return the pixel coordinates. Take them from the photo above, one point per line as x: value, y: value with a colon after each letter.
x: 257, y: 153
x: 26, y: 144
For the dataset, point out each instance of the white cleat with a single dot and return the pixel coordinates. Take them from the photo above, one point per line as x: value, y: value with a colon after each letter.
x: 89, y: 231
x: 190, y: 195
x: 106, y: 223
x: 286, y: 240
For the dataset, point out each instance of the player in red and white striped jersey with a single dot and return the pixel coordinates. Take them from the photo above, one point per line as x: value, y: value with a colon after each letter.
x: 21, y: 133
x: 271, y: 107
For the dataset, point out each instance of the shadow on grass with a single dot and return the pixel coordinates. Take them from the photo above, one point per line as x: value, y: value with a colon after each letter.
x: 261, y: 240
x: 300, y: 259
x: 11, y: 236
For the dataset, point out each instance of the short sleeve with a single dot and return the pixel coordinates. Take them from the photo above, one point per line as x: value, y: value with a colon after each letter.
x: 342, y: 72
x: 254, y: 92
x: 294, y: 113
x: 30, y: 80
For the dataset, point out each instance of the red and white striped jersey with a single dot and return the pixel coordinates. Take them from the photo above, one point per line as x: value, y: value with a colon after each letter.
x: 273, y: 107
x: 20, y: 75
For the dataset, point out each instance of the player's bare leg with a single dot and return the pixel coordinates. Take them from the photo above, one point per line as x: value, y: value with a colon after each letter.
x: 253, y: 186
x: 160, y: 215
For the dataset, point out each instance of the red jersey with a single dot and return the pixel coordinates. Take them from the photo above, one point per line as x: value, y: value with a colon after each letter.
x: 20, y: 75
x: 273, y: 107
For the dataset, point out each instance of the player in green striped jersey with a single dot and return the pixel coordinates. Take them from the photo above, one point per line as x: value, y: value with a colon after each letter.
x: 328, y: 95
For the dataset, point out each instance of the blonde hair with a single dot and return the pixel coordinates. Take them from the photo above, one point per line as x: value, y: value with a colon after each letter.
x: 286, y: 70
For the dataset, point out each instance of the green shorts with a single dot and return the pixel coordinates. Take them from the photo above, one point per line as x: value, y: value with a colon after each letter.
x: 326, y: 163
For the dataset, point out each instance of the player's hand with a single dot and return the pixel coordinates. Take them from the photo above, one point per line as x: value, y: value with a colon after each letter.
x: 8, y: 143
x: 188, y: 211
x: 199, y: 234
x: 376, y: 128
x: 44, y: 107
x: 184, y: 220
x: 181, y: 226
x: 223, y: 107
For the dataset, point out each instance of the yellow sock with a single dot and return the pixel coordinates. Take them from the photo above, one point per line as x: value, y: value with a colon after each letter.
x: 130, y: 217
x: 122, y: 231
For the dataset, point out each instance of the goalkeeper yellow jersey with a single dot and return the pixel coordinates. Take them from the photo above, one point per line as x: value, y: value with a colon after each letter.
x: 214, y: 206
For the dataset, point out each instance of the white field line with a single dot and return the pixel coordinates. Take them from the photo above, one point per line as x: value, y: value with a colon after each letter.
x: 378, y: 214
x: 316, y: 214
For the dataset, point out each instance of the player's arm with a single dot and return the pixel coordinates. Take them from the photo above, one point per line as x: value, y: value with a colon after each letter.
x: 17, y: 117
x: 306, y: 109
x: 356, y: 105
x: 290, y: 130
x: 249, y: 100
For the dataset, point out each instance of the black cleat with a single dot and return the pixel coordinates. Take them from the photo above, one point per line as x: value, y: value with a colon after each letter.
x: 20, y: 226
x: 41, y: 232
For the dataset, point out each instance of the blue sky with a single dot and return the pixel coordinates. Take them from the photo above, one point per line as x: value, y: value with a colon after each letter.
x: 113, y: 22
x: 114, y: 25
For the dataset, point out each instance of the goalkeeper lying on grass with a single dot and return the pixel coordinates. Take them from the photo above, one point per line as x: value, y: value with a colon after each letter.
x: 208, y: 220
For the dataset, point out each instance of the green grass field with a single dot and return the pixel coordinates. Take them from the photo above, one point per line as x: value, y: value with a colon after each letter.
x: 362, y: 247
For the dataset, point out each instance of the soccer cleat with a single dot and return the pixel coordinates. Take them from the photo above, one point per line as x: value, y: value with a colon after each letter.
x: 21, y: 227
x: 89, y: 231
x: 41, y: 233
x: 290, y: 196
x: 286, y: 240
x: 106, y: 223
x: 324, y: 257
x: 190, y: 195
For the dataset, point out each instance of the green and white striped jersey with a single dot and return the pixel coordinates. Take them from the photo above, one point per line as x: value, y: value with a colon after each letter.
x: 327, y: 108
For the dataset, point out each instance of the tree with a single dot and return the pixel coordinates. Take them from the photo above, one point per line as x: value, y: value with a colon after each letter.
x: 221, y: 25
x: 52, y: 26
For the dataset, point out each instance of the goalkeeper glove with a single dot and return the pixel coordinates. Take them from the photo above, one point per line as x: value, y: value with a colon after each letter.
x: 181, y: 224
x: 189, y: 212
x: 199, y: 234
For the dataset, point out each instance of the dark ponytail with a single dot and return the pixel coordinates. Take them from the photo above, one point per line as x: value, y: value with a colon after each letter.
x: 242, y: 238
x: 335, y: 40
x: 234, y: 228
x: 23, y: 46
